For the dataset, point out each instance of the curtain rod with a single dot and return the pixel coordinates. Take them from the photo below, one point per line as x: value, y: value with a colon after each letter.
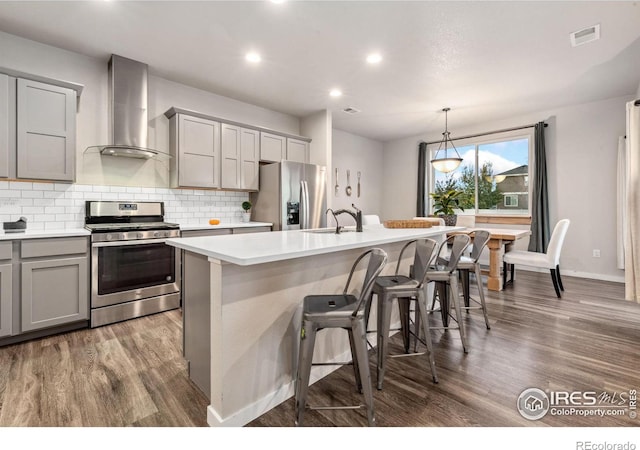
x: 493, y: 132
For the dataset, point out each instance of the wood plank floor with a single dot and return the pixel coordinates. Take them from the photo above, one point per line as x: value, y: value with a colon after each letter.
x: 132, y: 373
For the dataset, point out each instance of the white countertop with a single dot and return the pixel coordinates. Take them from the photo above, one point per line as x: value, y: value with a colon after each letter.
x: 37, y: 234
x: 206, y: 226
x: 249, y: 249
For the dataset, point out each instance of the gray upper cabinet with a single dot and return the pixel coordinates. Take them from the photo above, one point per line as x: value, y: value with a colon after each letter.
x: 195, y: 147
x: 249, y: 159
x: 54, y: 282
x: 46, y: 130
x: 209, y: 152
x: 4, y: 125
x: 297, y: 150
x: 230, y: 143
x: 240, y: 157
x: 5, y: 288
x: 273, y: 147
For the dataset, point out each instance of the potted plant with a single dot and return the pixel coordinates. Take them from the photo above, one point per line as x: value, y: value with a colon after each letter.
x: 246, y: 215
x: 444, y: 202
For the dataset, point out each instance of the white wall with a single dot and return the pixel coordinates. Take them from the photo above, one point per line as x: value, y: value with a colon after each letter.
x: 92, y: 118
x: 318, y: 127
x: 356, y: 153
x: 581, y: 144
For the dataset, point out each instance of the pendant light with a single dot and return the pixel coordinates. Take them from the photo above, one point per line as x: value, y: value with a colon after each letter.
x: 446, y: 163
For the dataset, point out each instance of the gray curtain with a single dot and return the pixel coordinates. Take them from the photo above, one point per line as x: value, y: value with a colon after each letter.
x: 540, y: 202
x: 422, y: 181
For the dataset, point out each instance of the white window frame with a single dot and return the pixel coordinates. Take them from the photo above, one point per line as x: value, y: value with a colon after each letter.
x: 511, y: 197
x: 493, y: 138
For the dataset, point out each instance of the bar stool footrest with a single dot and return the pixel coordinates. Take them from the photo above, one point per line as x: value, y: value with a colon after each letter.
x: 316, y: 408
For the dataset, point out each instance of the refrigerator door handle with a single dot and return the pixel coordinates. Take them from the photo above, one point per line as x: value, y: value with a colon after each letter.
x: 304, y: 205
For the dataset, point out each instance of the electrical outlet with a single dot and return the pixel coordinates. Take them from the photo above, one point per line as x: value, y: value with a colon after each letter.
x: 596, y: 253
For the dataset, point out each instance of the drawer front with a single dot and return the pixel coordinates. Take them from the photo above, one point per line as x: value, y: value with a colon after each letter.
x: 35, y: 248
x: 200, y: 233
x: 251, y: 230
x: 5, y: 250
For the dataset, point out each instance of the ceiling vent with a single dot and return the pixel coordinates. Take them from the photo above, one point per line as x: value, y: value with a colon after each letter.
x: 585, y: 35
x: 350, y: 110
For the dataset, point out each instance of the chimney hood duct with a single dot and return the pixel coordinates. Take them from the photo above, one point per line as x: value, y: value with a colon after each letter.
x: 128, y: 114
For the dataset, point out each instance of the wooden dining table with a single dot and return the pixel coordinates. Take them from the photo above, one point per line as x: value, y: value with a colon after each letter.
x: 501, y: 240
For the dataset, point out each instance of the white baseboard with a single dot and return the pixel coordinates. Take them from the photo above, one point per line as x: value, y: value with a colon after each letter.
x: 578, y: 274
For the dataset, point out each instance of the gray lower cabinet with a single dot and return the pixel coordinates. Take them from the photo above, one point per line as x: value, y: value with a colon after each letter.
x: 54, y: 292
x: 6, y: 296
x: 5, y: 299
x: 44, y: 287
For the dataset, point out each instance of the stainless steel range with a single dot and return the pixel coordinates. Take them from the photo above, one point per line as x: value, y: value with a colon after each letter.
x: 133, y: 272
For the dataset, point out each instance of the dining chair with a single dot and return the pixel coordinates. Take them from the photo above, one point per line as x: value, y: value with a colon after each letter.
x: 549, y: 260
x: 346, y: 311
x: 404, y: 288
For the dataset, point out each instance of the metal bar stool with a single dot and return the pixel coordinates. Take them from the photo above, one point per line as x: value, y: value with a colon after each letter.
x: 404, y: 288
x: 446, y: 283
x: 344, y: 311
x: 468, y: 264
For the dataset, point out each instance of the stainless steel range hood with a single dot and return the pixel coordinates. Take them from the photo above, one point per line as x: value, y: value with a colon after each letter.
x: 128, y: 88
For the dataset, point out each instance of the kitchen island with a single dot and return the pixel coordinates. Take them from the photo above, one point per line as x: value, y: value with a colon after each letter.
x: 242, y: 298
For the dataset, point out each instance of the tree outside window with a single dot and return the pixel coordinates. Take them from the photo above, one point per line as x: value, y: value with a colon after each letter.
x: 503, y: 171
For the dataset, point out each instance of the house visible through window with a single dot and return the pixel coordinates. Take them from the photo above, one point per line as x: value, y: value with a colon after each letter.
x: 493, y: 176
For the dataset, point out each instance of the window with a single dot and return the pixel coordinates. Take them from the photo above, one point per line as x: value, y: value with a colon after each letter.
x: 510, y: 200
x: 493, y: 176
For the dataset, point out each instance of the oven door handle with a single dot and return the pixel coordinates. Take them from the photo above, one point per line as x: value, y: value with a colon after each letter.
x: 123, y: 243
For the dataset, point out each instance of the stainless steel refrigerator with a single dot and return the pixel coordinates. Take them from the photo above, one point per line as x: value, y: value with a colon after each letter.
x: 292, y: 196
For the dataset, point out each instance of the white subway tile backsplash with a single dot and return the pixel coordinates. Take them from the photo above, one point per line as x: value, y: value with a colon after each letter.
x: 20, y: 186
x: 43, y: 186
x: 62, y: 187
x: 32, y: 194
x: 10, y: 193
x: 59, y: 205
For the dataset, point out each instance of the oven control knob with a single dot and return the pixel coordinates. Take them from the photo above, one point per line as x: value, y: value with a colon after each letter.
x: 157, y: 234
x: 109, y: 237
x: 139, y: 235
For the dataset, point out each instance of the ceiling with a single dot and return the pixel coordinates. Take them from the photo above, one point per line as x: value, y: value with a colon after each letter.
x: 485, y: 60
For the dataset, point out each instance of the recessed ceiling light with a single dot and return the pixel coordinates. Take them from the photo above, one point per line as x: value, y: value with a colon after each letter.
x: 335, y: 93
x: 374, y: 58
x: 253, y: 57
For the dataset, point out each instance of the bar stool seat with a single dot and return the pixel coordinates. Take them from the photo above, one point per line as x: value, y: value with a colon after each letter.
x: 345, y: 311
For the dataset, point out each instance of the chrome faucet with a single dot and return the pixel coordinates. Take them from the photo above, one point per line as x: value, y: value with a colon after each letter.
x: 357, y: 216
